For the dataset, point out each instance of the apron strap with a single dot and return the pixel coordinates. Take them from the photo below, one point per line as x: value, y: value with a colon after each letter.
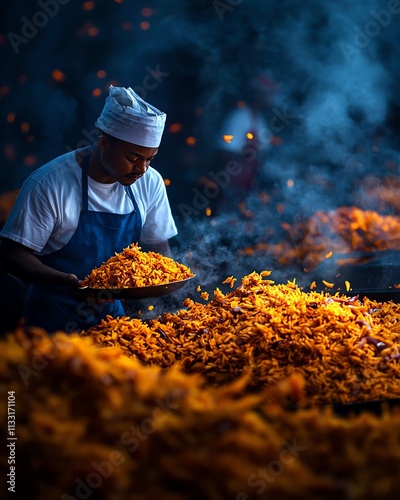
x: 85, y: 170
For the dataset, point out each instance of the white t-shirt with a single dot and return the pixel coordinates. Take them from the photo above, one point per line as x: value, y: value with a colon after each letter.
x: 46, y: 212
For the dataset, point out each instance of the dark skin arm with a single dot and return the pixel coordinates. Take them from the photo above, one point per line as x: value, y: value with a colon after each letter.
x: 20, y: 261
x: 162, y: 248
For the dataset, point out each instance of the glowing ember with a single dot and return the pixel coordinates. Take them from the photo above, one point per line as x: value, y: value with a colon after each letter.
x: 4, y: 90
x: 290, y: 183
x: 30, y: 160
x: 146, y: 12
x: 58, y: 75
x: 174, y: 128
x: 208, y: 211
x: 167, y: 182
x: 92, y: 31
x: 9, y: 152
x: 24, y: 127
x: 227, y: 138
x: 101, y: 73
x: 88, y: 6
x: 249, y: 135
x: 144, y: 25
x: 191, y: 141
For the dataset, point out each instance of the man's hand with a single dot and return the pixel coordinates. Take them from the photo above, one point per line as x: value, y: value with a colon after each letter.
x: 73, y: 285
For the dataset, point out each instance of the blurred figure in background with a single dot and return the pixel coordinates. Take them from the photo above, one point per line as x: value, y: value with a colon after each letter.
x: 245, y: 139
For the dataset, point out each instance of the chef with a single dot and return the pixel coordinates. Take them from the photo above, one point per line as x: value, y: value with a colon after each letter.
x: 82, y: 207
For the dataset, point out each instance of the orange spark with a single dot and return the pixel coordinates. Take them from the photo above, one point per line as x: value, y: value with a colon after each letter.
x: 191, y: 141
x: 24, y: 127
x: 58, y: 75
x: 147, y: 12
x: 30, y: 160
x: 175, y: 127
x: 88, y: 6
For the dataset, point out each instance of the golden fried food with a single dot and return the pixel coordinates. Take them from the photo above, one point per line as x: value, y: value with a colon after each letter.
x: 134, y: 268
x: 346, y: 349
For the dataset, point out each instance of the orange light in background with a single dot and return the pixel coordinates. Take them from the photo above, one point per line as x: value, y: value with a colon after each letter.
x: 227, y: 138
x: 249, y: 135
x: 4, y: 90
x: 58, y: 75
x: 9, y: 152
x: 167, y: 182
x: 280, y: 208
x: 191, y: 141
x: 146, y: 12
x: 101, y: 73
x: 96, y: 92
x: 92, y: 31
x: 126, y: 26
x: 290, y: 183
x: 208, y: 211
x: 88, y: 6
x: 240, y: 104
x: 175, y: 127
x: 275, y: 140
x: 25, y: 127
x: 328, y: 255
x: 30, y: 160
x: 144, y: 25
x: 118, y: 1
x: 115, y: 83
x: 10, y: 117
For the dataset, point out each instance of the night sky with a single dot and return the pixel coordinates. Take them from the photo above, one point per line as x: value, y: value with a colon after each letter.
x: 336, y: 64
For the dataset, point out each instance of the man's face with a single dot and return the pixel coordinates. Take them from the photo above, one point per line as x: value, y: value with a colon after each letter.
x: 124, y: 162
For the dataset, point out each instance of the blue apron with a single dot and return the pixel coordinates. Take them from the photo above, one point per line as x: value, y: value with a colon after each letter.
x: 97, y: 237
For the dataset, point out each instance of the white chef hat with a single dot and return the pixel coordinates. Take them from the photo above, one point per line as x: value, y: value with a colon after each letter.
x: 128, y: 117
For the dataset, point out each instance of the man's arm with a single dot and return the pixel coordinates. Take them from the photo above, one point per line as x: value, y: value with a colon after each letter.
x: 19, y: 261
x: 162, y: 248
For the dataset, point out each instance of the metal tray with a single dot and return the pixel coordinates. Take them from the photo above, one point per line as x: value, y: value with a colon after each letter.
x: 135, y: 292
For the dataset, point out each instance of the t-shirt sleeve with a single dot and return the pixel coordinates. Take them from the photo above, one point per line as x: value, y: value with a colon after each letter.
x: 32, y: 218
x: 159, y: 224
